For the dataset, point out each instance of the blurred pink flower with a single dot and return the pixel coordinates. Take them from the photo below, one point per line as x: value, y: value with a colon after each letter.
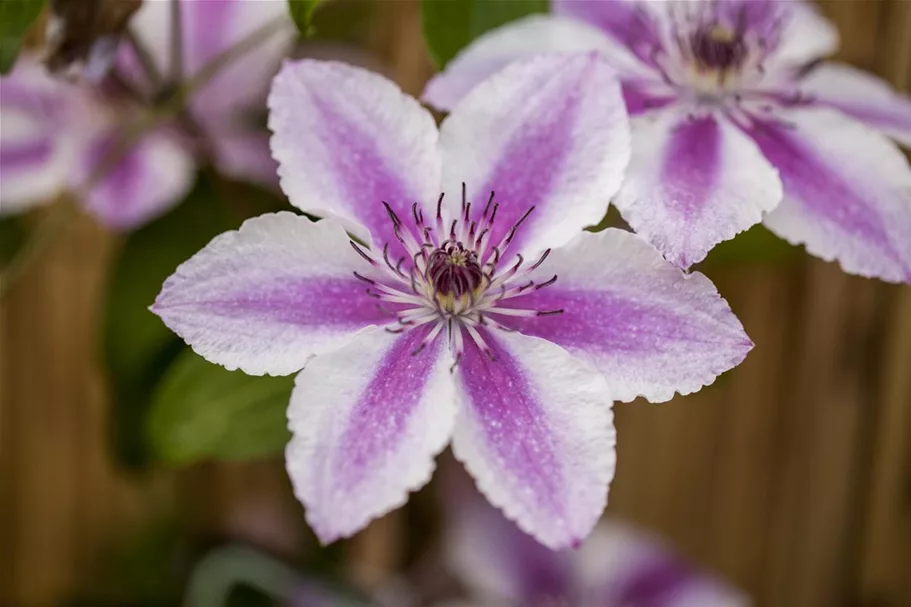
x: 58, y: 135
x: 448, y: 325
x: 617, y: 566
x: 734, y: 123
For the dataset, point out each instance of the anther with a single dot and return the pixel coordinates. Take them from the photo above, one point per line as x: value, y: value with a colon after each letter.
x: 489, y: 202
x: 546, y: 284
x: 540, y: 261
x: 361, y: 252
x: 550, y: 312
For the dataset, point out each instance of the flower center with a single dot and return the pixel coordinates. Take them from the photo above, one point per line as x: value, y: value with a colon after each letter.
x: 454, y: 270
x: 718, y: 48
x: 452, y: 274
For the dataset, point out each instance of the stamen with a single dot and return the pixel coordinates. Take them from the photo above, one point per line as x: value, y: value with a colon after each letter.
x: 395, y: 218
x: 535, y: 265
x: 428, y: 339
x: 454, y: 282
x: 479, y: 341
x: 362, y: 253
x: 364, y: 278
x: 487, y: 206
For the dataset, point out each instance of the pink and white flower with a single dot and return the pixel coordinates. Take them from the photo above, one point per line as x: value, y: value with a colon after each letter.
x: 58, y: 136
x: 617, y: 566
x: 734, y: 122
x: 471, y: 309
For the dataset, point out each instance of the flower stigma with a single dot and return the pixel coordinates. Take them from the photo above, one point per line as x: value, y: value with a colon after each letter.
x: 450, y: 274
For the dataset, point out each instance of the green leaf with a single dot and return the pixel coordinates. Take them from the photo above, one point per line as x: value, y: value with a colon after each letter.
x: 302, y: 14
x: 137, y: 347
x: 16, y: 16
x: 450, y: 25
x: 203, y: 411
x: 12, y: 236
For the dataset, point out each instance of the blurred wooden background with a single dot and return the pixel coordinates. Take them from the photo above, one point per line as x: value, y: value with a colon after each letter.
x: 791, y: 476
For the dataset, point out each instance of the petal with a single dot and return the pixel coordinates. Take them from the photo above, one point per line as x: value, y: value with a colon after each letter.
x: 535, y: 431
x: 268, y: 296
x: 805, y: 36
x: 847, y: 192
x: 494, y: 50
x: 493, y: 557
x: 620, y: 565
x: 694, y: 181
x: 632, y: 24
x: 549, y: 133
x: 650, y: 329
x: 862, y: 96
x: 346, y: 140
x: 148, y: 180
x: 368, y: 420
x: 36, y: 146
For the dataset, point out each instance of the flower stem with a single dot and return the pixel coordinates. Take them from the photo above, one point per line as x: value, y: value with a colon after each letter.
x: 176, y: 67
x: 221, y: 571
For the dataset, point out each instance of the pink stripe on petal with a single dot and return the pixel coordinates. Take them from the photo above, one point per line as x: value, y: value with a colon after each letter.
x: 622, y: 565
x: 346, y: 140
x: 694, y: 181
x: 847, y: 192
x: 37, y: 147
x: 649, y: 328
x: 549, y: 133
x: 24, y: 155
x: 368, y: 420
x: 152, y: 177
x: 535, y: 431
x: 207, y: 30
x: 267, y: 297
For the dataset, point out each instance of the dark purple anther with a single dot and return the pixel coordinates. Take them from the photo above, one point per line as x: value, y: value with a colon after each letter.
x: 718, y: 48
x: 454, y: 270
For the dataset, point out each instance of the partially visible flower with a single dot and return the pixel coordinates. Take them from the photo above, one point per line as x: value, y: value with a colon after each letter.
x: 59, y: 136
x: 617, y: 566
x: 483, y: 316
x: 734, y: 123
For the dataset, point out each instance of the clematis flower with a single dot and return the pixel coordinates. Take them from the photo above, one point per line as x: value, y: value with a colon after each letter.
x: 617, y: 566
x: 60, y: 135
x: 471, y: 308
x: 734, y: 121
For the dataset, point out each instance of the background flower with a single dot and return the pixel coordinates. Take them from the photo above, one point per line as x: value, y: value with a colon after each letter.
x: 734, y: 123
x: 117, y: 145
x: 617, y: 566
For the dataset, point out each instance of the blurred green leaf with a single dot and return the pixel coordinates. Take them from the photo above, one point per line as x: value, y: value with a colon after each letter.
x: 12, y: 236
x: 137, y: 346
x: 302, y: 14
x: 16, y: 16
x: 343, y: 21
x: 756, y: 245
x: 450, y: 25
x: 203, y: 411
